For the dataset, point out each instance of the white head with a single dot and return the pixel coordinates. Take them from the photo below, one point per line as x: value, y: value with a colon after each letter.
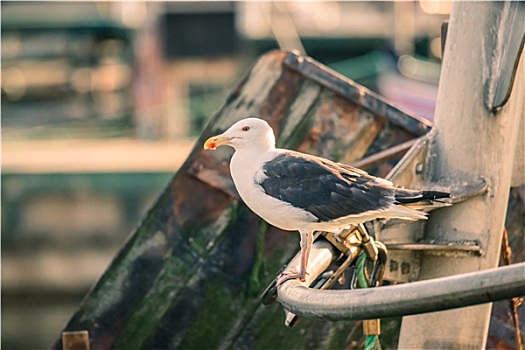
x: 249, y: 133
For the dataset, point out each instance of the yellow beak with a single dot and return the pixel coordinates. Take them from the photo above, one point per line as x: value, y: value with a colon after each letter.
x: 216, y: 141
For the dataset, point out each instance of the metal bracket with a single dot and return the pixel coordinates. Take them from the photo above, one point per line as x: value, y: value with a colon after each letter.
x: 456, y: 248
x: 406, y: 241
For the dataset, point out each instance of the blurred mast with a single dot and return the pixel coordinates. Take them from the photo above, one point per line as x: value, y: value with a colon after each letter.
x: 283, y: 27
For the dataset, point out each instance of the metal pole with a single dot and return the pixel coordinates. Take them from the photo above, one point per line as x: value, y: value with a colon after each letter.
x: 471, y: 140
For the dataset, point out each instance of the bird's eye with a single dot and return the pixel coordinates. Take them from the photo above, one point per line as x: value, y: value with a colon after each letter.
x: 245, y: 128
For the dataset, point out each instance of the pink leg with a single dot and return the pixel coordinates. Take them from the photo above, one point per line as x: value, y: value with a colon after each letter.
x: 306, y: 244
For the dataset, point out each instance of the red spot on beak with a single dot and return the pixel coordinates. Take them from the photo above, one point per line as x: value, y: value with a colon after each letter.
x: 212, y: 145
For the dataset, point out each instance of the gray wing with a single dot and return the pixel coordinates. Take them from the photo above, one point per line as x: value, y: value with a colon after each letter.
x: 326, y: 189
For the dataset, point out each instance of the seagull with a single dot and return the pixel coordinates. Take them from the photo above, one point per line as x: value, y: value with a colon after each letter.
x: 300, y: 192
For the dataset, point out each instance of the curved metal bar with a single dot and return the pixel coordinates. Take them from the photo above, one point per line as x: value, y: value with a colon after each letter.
x: 404, y: 299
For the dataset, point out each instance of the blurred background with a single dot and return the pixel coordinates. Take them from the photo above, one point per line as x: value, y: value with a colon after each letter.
x: 102, y: 101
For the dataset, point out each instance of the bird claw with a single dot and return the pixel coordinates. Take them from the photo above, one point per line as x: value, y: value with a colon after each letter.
x: 290, y: 275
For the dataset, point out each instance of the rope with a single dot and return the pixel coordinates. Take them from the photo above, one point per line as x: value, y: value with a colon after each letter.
x: 360, y: 270
x: 371, y: 341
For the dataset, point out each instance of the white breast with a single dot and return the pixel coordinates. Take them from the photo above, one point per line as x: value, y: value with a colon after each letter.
x: 246, y: 173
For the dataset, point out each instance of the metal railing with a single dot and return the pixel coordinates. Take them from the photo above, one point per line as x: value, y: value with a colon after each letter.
x: 396, y: 300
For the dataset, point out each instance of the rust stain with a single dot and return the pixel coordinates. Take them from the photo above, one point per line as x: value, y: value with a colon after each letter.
x: 340, y: 130
x: 195, y: 202
x: 202, y: 190
x: 218, y: 178
x: 275, y: 107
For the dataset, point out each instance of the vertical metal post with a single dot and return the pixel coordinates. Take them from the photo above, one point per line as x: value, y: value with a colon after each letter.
x: 472, y: 140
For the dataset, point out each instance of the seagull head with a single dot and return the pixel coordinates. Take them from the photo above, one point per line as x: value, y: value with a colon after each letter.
x: 249, y: 133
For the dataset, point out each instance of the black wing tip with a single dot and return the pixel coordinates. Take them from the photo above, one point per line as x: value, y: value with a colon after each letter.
x: 407, y: 197
x: 431, y: 195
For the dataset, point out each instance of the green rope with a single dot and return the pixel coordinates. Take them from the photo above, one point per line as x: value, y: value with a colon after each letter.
x: 360, y: 270
x: 371, y: 341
